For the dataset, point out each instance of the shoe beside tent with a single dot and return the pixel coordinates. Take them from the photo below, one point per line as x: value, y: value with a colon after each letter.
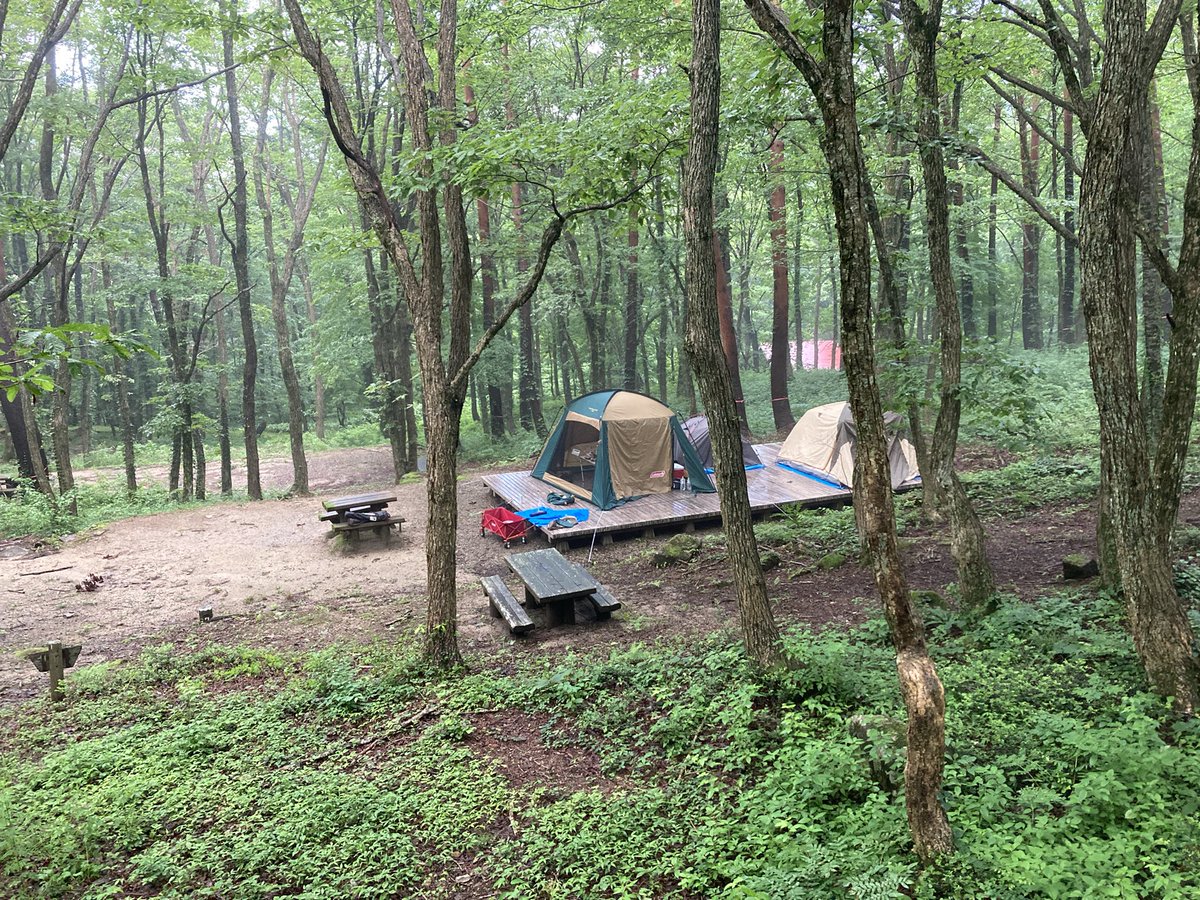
x: 611, y: 446
x: 822, y: 444
x: 697, y: 430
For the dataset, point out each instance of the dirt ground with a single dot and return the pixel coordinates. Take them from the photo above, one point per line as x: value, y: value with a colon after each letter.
x: 274, y: 578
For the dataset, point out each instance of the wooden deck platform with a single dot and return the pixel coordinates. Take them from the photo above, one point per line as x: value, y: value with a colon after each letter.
x: 771, y: 488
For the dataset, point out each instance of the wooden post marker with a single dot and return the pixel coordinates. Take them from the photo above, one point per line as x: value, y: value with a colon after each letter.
x: 55, y: 652
x: 54, y: 659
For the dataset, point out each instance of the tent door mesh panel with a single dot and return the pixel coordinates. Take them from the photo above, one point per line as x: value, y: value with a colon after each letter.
x: 574, y: 460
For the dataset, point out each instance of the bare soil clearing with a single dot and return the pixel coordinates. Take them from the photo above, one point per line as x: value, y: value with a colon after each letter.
x: 274, y: 578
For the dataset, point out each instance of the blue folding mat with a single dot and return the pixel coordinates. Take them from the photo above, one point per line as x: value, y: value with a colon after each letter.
x: 542, y: 516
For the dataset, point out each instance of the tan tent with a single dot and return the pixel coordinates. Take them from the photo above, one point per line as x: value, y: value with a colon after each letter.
x: 612, y: 446
x: 823, y: 443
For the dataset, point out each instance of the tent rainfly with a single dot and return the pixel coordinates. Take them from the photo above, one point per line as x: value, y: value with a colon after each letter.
x: 822, y: 444
x: 697, y: 429
x: 611, y: 446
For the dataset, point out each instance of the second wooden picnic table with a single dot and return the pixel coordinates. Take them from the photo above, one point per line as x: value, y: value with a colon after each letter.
x: 378, y: 501
x: 554, y: 582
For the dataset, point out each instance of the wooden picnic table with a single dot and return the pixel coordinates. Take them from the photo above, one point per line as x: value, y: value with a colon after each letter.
x: 377, y: 500
x: 554, y: 582
x: 373, y: 502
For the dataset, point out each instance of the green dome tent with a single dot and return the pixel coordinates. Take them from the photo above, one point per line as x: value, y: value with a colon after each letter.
x: 611, y: 446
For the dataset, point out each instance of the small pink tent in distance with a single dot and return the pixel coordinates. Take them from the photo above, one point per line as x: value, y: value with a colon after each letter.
x: 814, y: 354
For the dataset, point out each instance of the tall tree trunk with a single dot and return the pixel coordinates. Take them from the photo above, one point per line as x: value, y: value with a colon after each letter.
x: 280, y: 272
x: 310, y: 309
x: 664, y: 295
x: 57, y: 289
x: 487, y: 265
x: 383, y: 333
x: 530, y: 389
x: 240, y: 251
x: 781, y: 407
x: 1142, y: 498
x: 493, y: 407
x: 1153, y: 204
x: 708, y: 357
x: 1031, y: 234
x: 725, y: 329
x: 832, y: 82
x: 25, y: 440
x: 993, y: 262
x: 797, y: 271
x: 122, y: 388
x: 632, y: 300
x: 1067, y: 333
x: 632, y: 310
x: 966, y: 279
x: 85, y: 379
x: 975, y: 578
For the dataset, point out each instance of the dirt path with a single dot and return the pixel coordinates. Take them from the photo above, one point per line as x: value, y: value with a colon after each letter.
x: 275, y: 579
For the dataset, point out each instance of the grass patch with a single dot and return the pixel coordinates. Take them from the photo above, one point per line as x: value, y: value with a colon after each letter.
x: 355, y: 772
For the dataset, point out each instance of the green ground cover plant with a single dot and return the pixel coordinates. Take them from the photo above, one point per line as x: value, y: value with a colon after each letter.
x: 354, y: 772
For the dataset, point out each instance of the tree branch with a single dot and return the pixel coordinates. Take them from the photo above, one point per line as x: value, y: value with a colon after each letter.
x: 1026, y: 85
x: 56, y: 27
x: 549, y: 238
x: 976, y: 155
x: 774, y: 24
x: 1045, y: 133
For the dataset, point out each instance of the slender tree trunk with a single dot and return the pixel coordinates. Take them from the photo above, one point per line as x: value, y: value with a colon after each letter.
x: 832, y: 82
x: 493, y: 407
x: 664, y: 295
x: 708, y: 357
x: 993, y: 262
x: 725, y: 329
x: 1067, y: 333
x: 633, y: 306
x: 122, y: 388
x: 310, y: 308
x: 280, y: 272
x: 383, y: 334
x: 85, y: 379
x: 25, y: 439
x: 240, y: 251
x: 781, y: 406
x: 976, y: 582
x: 797, y: 272
x: 57, y: 290
x: 1031, y: 233
x: 487, y: 265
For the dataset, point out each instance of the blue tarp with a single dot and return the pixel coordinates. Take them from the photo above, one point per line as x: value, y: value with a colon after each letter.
x: 545, y: 515
x: 748, y: 469
x: 807, y: 474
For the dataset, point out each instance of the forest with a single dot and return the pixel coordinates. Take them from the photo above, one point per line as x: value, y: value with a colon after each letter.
x: 254, y: 256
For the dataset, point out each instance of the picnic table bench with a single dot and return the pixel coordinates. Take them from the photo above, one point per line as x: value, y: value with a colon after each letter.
x: 506, y: 606
x: 335, y: 513
x: 556, y: 583
x: 8, y: 487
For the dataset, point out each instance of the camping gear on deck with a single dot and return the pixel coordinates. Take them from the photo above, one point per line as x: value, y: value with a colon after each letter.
x: 542, y: 516
x: 822, y: 443
x: 504, y: 523
x: 697, y: 430
x: 611, y: 446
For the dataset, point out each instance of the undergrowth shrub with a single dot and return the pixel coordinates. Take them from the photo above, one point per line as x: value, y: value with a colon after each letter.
x: 32, y: 513
x: 1032, y: 482
x: 663, y: 770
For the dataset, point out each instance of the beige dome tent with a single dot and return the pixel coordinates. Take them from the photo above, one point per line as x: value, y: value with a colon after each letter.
x: 822, y: 443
